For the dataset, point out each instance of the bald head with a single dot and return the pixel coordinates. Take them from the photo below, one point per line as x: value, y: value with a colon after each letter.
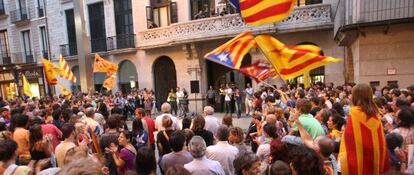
x: 271, y: 118
x: 90, y: 112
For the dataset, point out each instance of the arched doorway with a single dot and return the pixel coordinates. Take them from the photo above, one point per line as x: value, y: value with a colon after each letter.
x: 165, y: 78
x: 75, y: 87
x: 220, y: 75
x: 127, y: 76
x: 99, y: 78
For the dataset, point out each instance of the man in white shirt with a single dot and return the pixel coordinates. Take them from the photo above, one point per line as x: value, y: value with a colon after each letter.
x: 201, y: 165
x: 212, y: 123
x: 227, y: 98
x: 249, y: 98
x: 223, y: 152
x: 166, y: 109
x: 180, y: 98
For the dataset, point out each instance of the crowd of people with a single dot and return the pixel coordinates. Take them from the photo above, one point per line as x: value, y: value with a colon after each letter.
x: 322, y: 130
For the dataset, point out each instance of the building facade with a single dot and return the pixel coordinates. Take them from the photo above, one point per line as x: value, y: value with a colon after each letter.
x: 23, y: 42
x: 160, y: 44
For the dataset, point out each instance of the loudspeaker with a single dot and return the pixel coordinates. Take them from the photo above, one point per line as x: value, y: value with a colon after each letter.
x: 195, y: 87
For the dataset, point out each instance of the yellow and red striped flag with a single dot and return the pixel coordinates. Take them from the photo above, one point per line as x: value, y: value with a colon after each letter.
x: 291, y: 62
x: 259, y: 12
x: 231, y: 53
x: 50, y: 72
x: 102, y: 65
x: 65, y: 72
x: 363, y: 147
x: 109, y: 82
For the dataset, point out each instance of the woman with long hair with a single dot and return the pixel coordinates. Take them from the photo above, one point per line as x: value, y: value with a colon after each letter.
x: 363, y: 147
x: 198, y: 129
x: 124, y: 159
x: 39, y: 147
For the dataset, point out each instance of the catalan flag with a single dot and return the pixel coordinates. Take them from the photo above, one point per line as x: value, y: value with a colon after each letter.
x: 109, y: 82
x: 363, y: 148
x: 289, y: 61
x: 259, y: 72
x: 64, y: 91
x: 259, y: 12
x: 65, y: 72
x: 232, y: 52
x: 26, y: 87
x: 50, y: 72
x: 102, y: 65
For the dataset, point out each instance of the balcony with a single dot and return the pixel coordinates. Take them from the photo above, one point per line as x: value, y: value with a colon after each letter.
x: 6, y: 59
x: 2, y: 10
x: 68, y: 49
x: 20, y: 15
x: 355, y: 14
x: 98, y: 45
x: 23, y: 58
x: 310, y: 17
x: 125, y: 41
x: 40, y: 11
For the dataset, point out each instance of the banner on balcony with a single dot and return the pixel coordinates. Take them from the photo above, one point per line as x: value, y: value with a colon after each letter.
x: 292, y: 61
x: 259, y: 12
x: 231, y: 53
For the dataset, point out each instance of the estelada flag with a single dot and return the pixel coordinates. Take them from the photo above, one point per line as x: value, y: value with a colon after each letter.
x: 102, y: 65
x: 65, y: 72
x: 363, y: 148
x: 50, y: 72
x: 290, y: 62
x: 259, y: 12
x: 231, y: 53
x: 259, y: 72
x: 109, y: 82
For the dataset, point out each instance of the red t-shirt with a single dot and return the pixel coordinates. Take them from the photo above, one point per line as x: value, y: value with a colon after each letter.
x: 151, y: 129
x: 54, y: 132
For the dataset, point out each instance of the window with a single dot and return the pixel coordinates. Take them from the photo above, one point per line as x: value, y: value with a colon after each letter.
x: 40, y: 8
x: 2, y: 10
x: 202, y: 9
x: 374, y: 83
x: 70, y: 27
x: 4, y: 44
x: 97, y: 27
x: 124, y: 25
x: 43, y: 42
x: 162, y: 14
x: 27, y: 47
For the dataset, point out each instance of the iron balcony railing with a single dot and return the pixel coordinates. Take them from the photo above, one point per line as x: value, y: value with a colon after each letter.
x: 121, y: 42
x: 40, y: 11
x: 6, y: 59
x: 2, y: 9
x: 20, y: 15
x: 98, y: 45
x: 23, y: 58
x: 68, y: 49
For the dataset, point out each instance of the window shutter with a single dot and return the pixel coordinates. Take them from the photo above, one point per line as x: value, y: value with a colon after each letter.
x: 173, y: 12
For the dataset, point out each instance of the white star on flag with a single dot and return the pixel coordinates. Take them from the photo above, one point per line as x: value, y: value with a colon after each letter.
x: 223, y: 57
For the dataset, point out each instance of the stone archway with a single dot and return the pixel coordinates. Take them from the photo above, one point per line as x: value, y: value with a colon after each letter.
x: 165, y: 78
x: 127, y: 76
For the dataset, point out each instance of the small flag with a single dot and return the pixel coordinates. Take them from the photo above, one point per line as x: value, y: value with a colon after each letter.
x: 258, y: 71
x: 232, y: 52
x: 288, y: 62
x: 65, y: 72
x: 259, y: 12
x: 50, y: 72
x: 102, y: 65
x: 26, y: 87
x: 109, y: 82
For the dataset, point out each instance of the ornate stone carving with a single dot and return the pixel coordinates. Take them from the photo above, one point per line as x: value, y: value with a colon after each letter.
x: 302, y: 18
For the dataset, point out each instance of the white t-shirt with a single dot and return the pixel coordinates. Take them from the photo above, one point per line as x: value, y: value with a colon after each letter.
x: 228, y: 92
